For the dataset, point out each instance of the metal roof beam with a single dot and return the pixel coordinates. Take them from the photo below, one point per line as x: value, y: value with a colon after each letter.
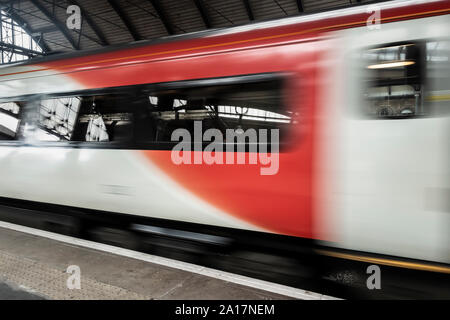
x: 91, y: 23
x: 61, y: 26
x: 300, y: 6
x: 125, y: 19
x: 46, y: 29
x: 16, y: 49
x: 249, y: 10
x: 203, y: 12
x: 162, y: 15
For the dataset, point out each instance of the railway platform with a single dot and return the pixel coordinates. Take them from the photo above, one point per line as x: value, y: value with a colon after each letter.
x: 36, y: 264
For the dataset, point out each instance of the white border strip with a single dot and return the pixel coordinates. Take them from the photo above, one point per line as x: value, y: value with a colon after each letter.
x: 189, y: 267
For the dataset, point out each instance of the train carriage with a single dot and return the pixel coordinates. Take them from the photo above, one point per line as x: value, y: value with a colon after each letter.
x: 362, y: 155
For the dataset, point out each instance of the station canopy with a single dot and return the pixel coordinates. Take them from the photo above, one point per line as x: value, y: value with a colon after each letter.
x: 31, y: 28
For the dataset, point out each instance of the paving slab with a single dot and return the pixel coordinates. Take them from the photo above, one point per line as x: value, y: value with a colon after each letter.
x: 38, y: 266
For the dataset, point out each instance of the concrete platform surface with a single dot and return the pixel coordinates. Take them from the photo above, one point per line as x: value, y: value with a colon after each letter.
x: 33, y: 267
x: 9, y: 292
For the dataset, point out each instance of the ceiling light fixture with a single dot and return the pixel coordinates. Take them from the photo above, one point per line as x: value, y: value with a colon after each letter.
x: 391, y: 64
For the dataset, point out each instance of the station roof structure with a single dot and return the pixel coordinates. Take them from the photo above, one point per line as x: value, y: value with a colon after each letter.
x: 112, y: 22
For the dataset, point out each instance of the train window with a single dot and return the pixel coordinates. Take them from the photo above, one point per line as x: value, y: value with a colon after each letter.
x: 237, y: 106
x: 57, y: 119
x: 9, y: 120
x: 394, y: 82
x: 149, y: 114
x: 437, y: 94
x: 106, y: 118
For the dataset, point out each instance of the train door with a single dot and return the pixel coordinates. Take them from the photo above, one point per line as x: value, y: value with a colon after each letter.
x: 394, y: 167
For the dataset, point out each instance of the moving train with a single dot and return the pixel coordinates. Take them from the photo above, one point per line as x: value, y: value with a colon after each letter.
x: 359, y: 98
